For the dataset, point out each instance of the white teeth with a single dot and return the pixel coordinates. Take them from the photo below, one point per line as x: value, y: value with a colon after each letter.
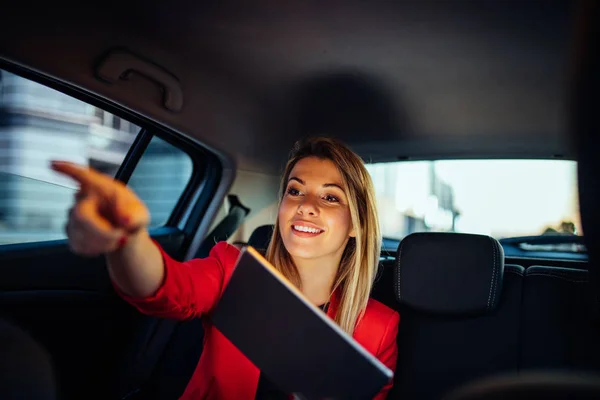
x: 306, y: 229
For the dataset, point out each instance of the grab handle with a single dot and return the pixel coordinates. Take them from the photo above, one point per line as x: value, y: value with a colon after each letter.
x: 119, y: 64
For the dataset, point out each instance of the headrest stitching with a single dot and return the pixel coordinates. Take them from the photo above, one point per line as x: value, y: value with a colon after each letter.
x: 493, y: 275
x: 564, y: 278
x: 399, y: 270
x: 498, y: 270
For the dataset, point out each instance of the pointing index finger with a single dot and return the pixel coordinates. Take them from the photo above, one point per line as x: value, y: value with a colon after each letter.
x: 83, y: 175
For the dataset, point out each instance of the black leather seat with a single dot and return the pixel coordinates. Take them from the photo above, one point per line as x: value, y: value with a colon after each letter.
x: 559, y: 326
x: 532, y: 386
x: 459, y: 313
x: 26, y: 370
x: 383, y: 287
x: 260, y: 237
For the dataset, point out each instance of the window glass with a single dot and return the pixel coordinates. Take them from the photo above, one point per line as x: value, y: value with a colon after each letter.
x: 500, y: 198
x: 160, y: 177
x: 39, y: 124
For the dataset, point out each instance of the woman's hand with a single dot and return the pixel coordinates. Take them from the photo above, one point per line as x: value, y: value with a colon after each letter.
x: 105, y: 214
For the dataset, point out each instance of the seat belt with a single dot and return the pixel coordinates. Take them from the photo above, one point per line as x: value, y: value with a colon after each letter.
x: 155, y: 333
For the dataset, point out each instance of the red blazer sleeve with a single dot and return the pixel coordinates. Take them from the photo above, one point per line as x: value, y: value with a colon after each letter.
x: 190, y: 288
x: 388, y: 351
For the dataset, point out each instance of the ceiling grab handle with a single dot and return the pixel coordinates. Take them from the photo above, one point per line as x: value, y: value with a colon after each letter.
x: 119, y: 64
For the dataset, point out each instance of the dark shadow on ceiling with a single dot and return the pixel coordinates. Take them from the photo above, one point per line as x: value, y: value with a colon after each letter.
x: 351, y: 106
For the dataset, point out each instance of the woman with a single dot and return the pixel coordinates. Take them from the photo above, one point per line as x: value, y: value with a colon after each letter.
x: 326, y: 241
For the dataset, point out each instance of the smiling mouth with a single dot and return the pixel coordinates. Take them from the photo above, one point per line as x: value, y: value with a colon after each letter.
x: 306, y: 229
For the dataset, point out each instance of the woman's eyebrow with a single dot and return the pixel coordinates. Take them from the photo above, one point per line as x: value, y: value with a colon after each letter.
x: 326, y: 185
x: 333, y: 185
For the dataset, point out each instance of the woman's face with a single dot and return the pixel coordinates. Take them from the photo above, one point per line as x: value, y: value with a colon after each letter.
x: 314, y: 217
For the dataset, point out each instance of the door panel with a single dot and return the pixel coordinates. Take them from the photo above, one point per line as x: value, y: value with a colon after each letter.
x: 68, y: 304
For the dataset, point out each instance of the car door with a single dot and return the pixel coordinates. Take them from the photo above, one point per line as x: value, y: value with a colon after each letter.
x: 65, y: 301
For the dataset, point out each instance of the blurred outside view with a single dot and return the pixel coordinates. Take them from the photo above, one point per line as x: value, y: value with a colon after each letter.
x: 39, y: 124
x: 500, y: 198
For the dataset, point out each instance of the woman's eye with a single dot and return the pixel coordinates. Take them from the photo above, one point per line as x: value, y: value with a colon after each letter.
x: 293, y: 192
x: 331, y: 199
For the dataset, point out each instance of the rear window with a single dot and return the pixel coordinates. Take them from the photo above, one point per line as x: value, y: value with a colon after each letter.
x: 500, y: 198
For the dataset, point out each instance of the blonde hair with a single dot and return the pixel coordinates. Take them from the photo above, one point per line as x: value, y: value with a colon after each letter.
x: 360, y: 258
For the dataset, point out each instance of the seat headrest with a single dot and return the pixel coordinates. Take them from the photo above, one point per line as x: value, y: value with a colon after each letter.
x: 449, y: 273
x: 261, y: 237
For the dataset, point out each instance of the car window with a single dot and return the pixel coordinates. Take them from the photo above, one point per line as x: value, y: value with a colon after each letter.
x: 39, y: 124
x: 500, y: 198
x: 160, y: 177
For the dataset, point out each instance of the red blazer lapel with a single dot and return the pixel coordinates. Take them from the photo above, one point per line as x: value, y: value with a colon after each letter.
x: 334, y: 303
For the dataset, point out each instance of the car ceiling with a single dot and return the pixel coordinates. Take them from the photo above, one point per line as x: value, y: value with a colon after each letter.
x: 396, y: 80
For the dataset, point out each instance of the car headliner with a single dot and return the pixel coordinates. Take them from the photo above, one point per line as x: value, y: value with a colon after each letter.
x: 396, y: 80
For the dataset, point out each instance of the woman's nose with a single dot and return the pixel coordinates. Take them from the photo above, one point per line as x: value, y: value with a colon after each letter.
x: 308, y: 206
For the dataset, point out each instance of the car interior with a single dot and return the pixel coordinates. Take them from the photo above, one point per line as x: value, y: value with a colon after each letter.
x: 196, y: 105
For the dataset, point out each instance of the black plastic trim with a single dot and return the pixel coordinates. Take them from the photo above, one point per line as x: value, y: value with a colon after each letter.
x: 133, y: 156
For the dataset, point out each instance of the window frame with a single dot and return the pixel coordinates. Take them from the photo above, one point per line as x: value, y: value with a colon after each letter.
x: 203, y: 186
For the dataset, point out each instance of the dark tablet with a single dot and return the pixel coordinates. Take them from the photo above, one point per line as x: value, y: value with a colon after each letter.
x: 299, y: 348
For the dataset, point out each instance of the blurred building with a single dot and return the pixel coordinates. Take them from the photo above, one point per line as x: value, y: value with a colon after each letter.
x: 414, y: 200
x: 39, y: 124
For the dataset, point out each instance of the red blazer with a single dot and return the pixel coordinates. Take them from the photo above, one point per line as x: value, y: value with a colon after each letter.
x: 191, y: 289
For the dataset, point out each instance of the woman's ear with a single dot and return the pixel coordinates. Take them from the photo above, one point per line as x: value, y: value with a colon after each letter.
x: 352, y: 233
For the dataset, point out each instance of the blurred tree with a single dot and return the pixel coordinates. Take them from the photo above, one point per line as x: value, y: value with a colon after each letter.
x: 567, y: 227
